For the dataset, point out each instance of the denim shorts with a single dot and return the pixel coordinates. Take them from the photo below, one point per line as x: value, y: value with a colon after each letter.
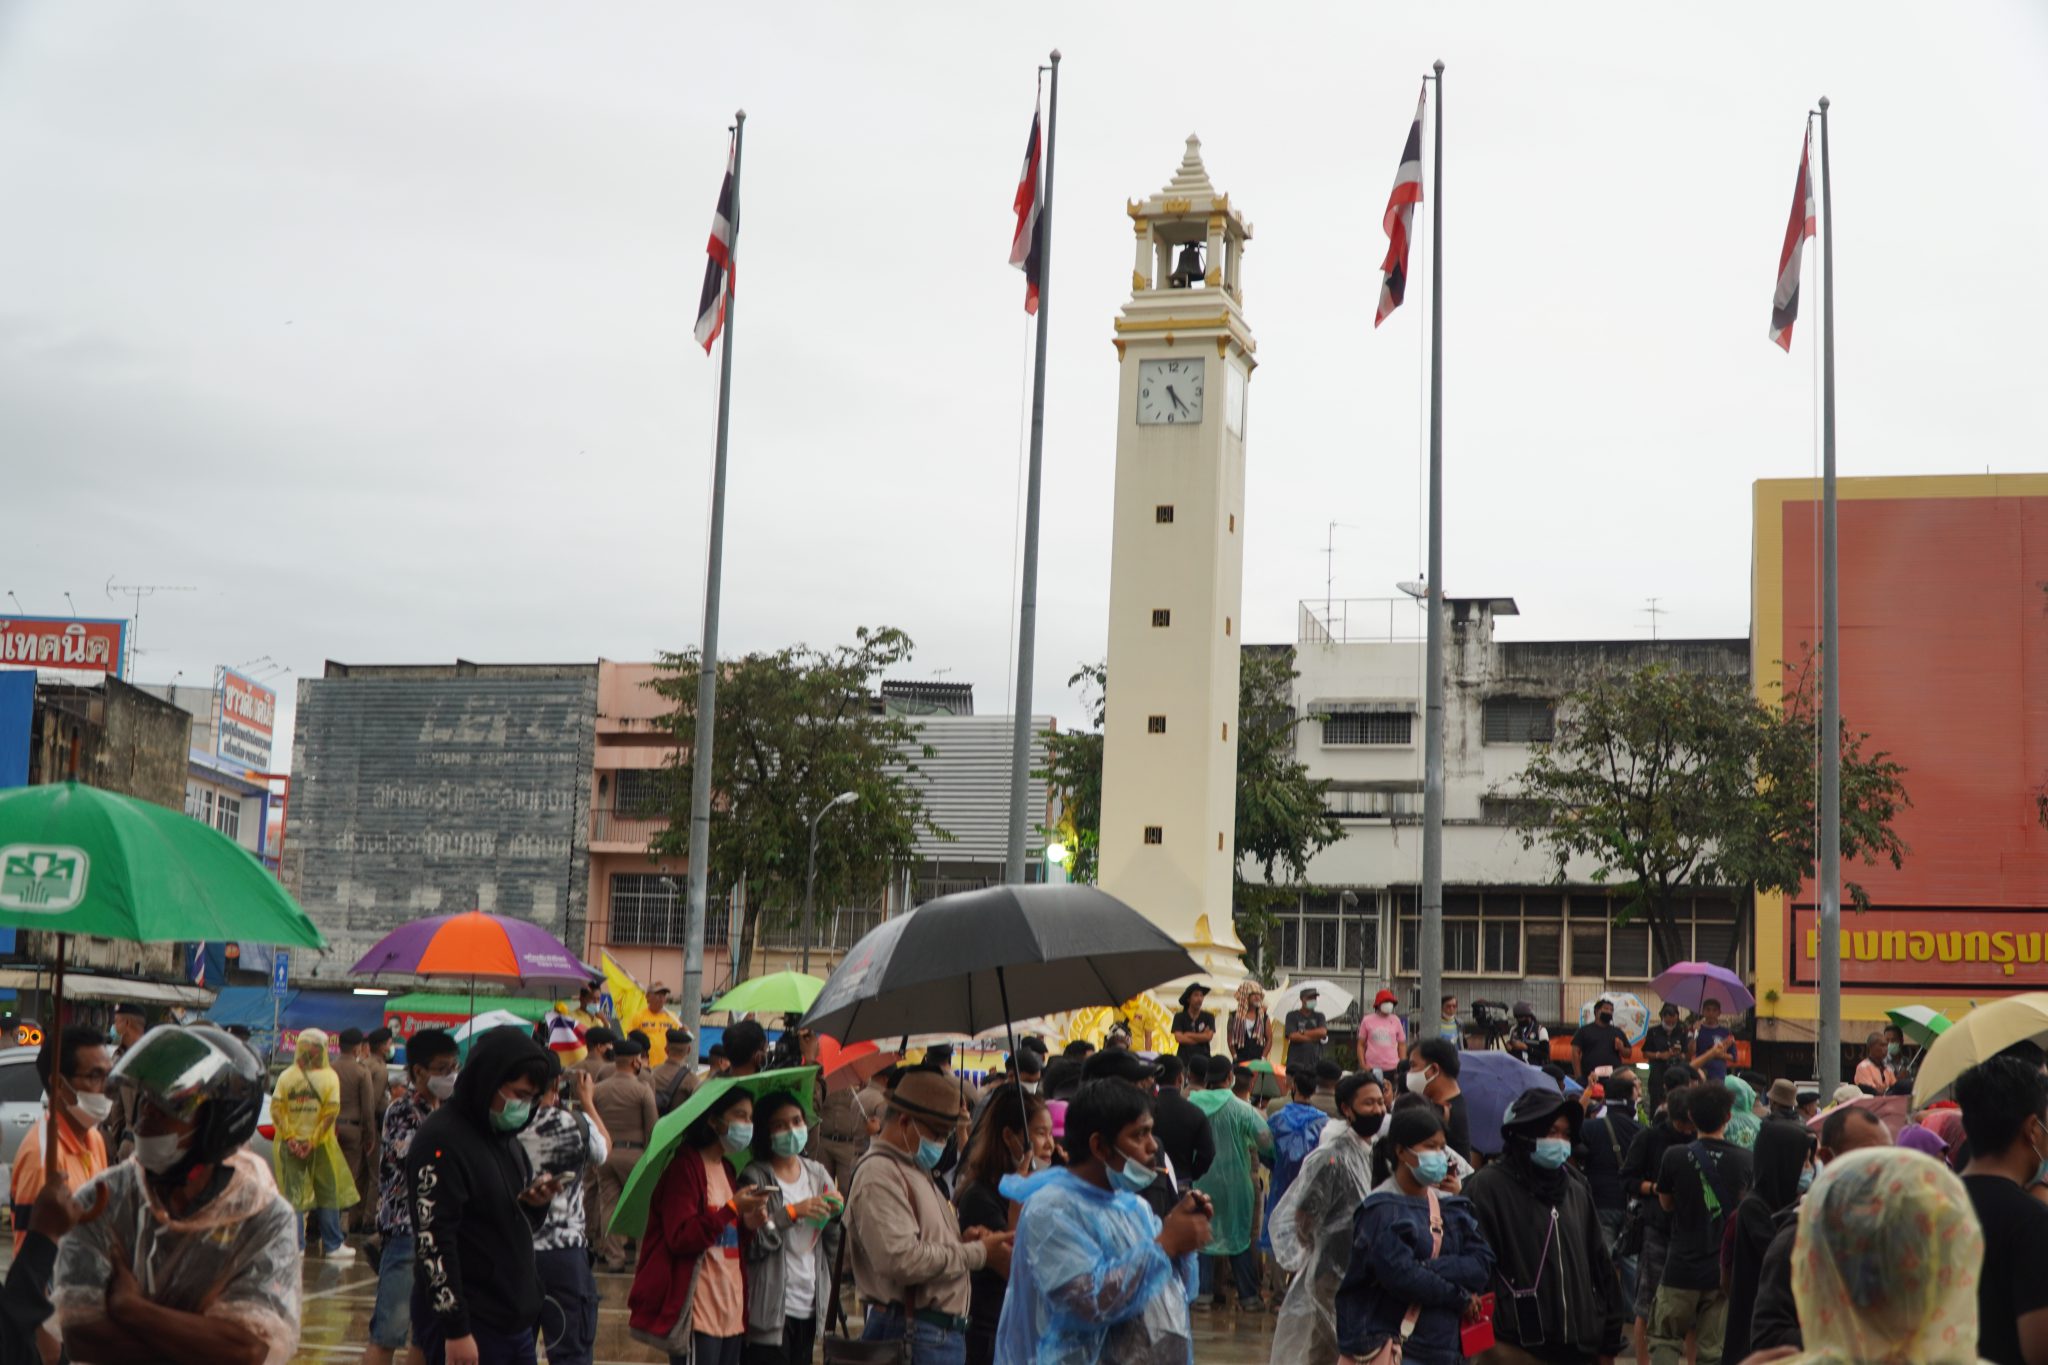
x: 391, y: 1319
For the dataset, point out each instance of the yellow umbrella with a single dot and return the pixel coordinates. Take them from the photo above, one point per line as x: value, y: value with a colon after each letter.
x: 1978, y: 1036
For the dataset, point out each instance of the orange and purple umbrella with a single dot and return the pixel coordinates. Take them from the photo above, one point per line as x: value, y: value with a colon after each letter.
x: 475, y: 944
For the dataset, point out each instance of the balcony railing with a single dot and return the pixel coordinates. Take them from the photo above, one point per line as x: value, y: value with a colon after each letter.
x: 635, y: 826
x: 1360, y: 620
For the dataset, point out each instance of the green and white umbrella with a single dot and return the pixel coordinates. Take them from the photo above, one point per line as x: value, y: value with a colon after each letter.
x: 630, y: 1217
x: 1919, y: 1023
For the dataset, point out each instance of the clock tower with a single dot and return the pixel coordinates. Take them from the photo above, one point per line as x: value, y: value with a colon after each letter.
x: 1169, y: 769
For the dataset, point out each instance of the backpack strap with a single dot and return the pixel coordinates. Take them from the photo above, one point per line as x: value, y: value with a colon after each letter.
x: 1436, y: 1249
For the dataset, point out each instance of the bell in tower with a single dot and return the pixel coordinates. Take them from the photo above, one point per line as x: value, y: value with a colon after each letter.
x: 1187, y: 272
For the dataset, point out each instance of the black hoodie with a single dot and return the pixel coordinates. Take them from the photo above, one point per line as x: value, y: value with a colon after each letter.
x: 474, y: 1263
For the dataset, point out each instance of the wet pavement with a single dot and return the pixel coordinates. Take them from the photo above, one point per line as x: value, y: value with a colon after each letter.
x: 338, y: 1300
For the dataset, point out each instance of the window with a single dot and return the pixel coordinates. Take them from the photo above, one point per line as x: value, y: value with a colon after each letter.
x: 20, y: 1085
x: 1155, y: 834
x: 1461, y: 946
x: 1233, y: 523
x: 1226, y: 625
x: 1162, y: 616
x: 647, y: 907
x: 227, y: 815
x: 1544, y: 946
x: 1322, y: 933
x: 1368, y: 801
x: 638, y: 791
x: 192, y: 800
x: 1628, y: 950
x: 1502, y: 944
x: 1519, y: 720
x: 1163, y: 514
x: 1226, y: 732
x: 1155, y: 725
x: 1589, y: 949
x: 1369, y: 727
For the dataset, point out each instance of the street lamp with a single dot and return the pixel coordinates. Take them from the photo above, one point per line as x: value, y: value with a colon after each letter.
x: 811, y: 873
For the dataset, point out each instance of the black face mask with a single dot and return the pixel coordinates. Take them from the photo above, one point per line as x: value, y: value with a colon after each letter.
x: 1368, y: 1125
x: 1606, y: 1018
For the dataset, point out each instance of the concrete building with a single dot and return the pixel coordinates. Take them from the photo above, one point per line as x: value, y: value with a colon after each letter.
x: 1512, y: 930
x: 219, y: 790
x: 1176, y: 578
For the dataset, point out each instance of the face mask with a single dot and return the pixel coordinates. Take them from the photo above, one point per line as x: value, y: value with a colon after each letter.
x: 1552, y: 1153
x: 929, y: 1154
x: 1431, y: 1167
x: 1368, y: 1125
x: 1387, y: 1008
x: 1806, y: 1179
x: 94, y: 1107
x: 513, y: 1116
x: 1040, y: 1163
x: 1606, y: 1018
x: 1031, y: 1087
x: 1892, y: 1050
x: 737, y: 1137
x: 792, y: 1142
x: 441, y: 1087
x: 158, y: 1154
x: 1133, y: 1175
x: 1418, y: 1081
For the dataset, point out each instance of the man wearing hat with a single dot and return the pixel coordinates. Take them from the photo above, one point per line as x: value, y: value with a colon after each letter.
x: 1194, y: 1028
x: 1306, y: 1031
x: 598, y: 1045
x: 130, y: 1023
x: 673, y: 1082
x: 625, y: 1105
x: 655, y: 1023
x: 1666, y: 1045
x: 1783, y: 1098
x: 1528, y: 1040
x: 910, y: 1259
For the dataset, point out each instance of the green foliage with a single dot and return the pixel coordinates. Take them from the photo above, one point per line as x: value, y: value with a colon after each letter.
x: 1281, y: 821
x: 796, y: 727
x: 1665, y: 778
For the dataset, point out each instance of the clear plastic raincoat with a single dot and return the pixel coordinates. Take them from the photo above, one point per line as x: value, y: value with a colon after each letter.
x: 1311, y: 1232
x: 1887, y: 1263
x: 1088, y: 1281
x: 303, y: 1108
x: 1231, y: 1180
x: 235, y: 1257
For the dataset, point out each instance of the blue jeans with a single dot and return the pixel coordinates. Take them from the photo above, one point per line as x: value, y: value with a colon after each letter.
x: 327, y: 1224
x: 391, y: 1319
x: 492, y: 1348
x: 929, y: 1343
x: 568, y: 1319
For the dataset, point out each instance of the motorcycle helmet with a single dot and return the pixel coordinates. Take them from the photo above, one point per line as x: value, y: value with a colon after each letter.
x: 201, y: 1075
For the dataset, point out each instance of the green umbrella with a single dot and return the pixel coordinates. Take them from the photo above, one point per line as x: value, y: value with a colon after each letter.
x: 79, y: 860
x: 776, y: 993
x: 1919, y: 1023
x: 630, y: 1217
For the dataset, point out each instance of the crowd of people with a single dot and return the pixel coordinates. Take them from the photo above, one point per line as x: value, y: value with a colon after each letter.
x: 1084, y: 1205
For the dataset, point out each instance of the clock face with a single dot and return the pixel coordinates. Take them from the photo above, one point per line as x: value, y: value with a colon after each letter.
x: 1169, y: 392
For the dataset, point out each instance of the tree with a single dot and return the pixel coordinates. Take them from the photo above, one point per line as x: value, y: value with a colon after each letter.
x: 1281, y: 820
x: 1668, y: 779
x: 797, y: 727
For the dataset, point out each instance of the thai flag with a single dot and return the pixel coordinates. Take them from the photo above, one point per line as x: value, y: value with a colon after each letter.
x: 1400, y: 217
x: 1024, y: 243
x: 718, y: 271
x: 1785, y: 300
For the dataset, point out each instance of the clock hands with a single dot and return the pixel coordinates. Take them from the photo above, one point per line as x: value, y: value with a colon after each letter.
x: 1176, y: 398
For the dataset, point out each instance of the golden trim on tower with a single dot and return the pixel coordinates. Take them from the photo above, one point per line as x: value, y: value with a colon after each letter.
x: 1176, y: 206
x: 1139, y: 284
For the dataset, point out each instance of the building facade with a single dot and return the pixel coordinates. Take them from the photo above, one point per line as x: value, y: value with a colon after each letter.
x: 1513, y: 928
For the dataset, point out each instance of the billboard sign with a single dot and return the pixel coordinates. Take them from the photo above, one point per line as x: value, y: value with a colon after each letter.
x: 248, y: 712
x: 81, y: 644
x: 1929, y: 947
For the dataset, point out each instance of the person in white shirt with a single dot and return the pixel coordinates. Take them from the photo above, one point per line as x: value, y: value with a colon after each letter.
x: 789, y: 1258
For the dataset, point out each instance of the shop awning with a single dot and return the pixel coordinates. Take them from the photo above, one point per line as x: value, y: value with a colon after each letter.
x: 85, y: 986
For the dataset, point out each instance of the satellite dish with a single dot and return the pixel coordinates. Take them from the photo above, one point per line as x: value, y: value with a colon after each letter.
x: 1414, y: 587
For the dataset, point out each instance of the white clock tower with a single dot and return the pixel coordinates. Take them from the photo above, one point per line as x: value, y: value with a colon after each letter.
x: 1169, y: 774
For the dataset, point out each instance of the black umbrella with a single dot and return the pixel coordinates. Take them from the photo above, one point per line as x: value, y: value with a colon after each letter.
x: 968, y: 962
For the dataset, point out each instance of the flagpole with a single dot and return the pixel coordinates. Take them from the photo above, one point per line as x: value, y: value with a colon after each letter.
x: 1027, y: 608
x: 1830, y: 1040
x: 707, y: 662
x: 1430, y: 948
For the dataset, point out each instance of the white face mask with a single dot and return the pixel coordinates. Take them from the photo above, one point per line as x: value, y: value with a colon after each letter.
x: 1031, y: 1087
x: 442, y: 1087
x: 94, y: 1107
x: 1387, y: 1007
x: 158, y: 1154
x: 1417, y: 1082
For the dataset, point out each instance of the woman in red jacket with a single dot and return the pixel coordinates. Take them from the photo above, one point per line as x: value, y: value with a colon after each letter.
x: 689, y: 1292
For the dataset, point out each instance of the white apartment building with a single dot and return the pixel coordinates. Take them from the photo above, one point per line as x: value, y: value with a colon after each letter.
x: 1513, y: 930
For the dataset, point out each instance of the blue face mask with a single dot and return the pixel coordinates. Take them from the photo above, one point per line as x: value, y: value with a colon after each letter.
x: 1551, y: 1153
x: 1134, y: 1176
x: 929, y: 1154
x: 738, y: 1136
x: 1806, y: 1178
x: 1431, y: 1167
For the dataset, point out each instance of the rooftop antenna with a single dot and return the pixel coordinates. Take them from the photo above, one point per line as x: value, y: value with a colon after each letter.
x: 17, y: 602
x: 71, y: 604
x: 1330, y: 568
x: 1653, y: 611
x: 135, y: 592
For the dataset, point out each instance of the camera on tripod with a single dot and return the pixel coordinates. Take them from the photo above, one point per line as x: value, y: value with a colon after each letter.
x: 1495, y: 1017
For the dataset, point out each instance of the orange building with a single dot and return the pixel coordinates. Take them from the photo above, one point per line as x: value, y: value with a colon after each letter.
x: 1944, y: 628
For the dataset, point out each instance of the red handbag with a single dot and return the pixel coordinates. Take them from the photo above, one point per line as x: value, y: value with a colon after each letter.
x: 1474, y: 1337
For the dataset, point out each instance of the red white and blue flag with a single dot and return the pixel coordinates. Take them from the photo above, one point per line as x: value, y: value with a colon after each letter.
x: 1025, y: 241
x: 1785, y: 300
x: 718, y: 271
x: 1400, y: 217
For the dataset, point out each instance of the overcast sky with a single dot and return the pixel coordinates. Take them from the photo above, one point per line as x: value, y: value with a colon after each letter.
x: 372, y: 323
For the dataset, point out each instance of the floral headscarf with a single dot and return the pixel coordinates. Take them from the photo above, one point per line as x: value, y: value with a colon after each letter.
x: 1887, y: 1263
x: 1247, y: 991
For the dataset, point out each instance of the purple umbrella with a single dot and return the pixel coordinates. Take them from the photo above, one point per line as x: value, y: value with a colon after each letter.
x: 475, y: 944
x: 1490, y: 1082
x: 1686, y: 984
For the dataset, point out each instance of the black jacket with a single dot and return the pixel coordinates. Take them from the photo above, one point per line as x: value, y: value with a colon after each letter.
x: 25, y: 1302
x: 1775, y: 1322
x: 1577, y: 1306
x: 474, y: 1263
x: 1645, y: 1160
x: 1605, y: 1158
x: 1183, y: 1131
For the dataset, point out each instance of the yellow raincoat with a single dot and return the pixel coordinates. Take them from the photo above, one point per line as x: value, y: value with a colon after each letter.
x: 303, y: 1108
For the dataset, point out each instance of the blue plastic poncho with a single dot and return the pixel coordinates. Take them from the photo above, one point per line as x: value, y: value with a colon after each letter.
x: 1088, y: 1281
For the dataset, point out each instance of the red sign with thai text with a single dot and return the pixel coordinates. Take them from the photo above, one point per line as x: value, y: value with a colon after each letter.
x: 2003, y: 950
x: 84, y: 645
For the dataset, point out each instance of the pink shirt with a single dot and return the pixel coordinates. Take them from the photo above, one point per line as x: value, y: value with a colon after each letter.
x: 1386, y: 1040
x: 720, y: 1306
